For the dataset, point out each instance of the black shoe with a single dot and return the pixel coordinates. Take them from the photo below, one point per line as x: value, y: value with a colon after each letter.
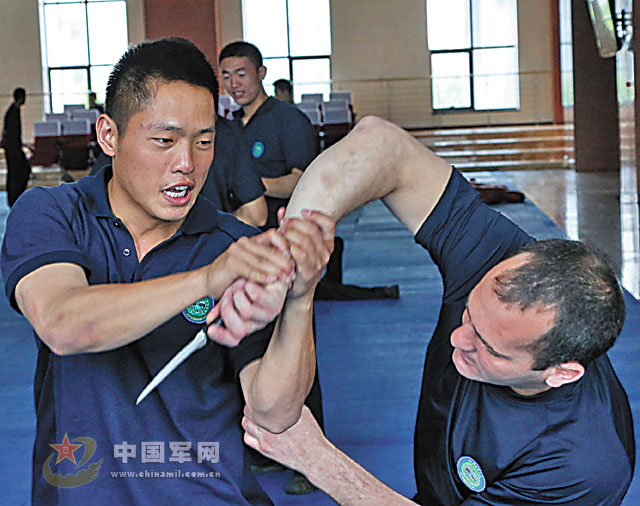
x: 390, y: 292
x: 267, y: 467
x: 299, y: 485
x: 331, y: 290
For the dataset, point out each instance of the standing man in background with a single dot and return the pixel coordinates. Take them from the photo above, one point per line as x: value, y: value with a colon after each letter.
x: 280, y: 138
x: 281, y: 143
x: 18, y: 168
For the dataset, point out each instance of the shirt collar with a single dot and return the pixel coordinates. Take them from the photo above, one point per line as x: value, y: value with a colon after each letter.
x: 94, y: 190
x: 203, y: 216
x: 264, y: 107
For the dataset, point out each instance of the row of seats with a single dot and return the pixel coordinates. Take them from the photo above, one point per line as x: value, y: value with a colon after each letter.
x: 65, y: 138
x: 333, y: 119
x: 91, y: 115
x: 334, y: 95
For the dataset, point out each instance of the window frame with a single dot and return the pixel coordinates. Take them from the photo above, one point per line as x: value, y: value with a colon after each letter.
x: 45, y: 64
x: 469, y: 52
x: 291, y: 59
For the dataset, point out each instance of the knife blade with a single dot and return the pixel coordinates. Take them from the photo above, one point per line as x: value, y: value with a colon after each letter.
x: 198, y: 342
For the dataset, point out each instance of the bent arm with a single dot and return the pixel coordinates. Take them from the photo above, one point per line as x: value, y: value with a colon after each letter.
x: 276, y: 386
x: 376, y: 160
x: 71, y: 316
x: 283, y: 186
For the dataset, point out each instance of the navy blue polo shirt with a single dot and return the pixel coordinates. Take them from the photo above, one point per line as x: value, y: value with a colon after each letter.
x: 183, y: 443
x: 232, y: 180
x: 480, y: 444
x: 279, y: 138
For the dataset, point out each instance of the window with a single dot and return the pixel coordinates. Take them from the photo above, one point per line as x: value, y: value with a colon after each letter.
x: 294, y: 37
x: 566, y: 53
x: 81, y: 41
x: 474, y: 54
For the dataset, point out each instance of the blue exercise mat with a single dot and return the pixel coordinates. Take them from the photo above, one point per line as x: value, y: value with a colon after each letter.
x: 370, y: 358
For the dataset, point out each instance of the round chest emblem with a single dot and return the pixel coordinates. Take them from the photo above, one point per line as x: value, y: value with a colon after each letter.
x: 257, y: 149
x: 471, y: 474
x: 197, y: 313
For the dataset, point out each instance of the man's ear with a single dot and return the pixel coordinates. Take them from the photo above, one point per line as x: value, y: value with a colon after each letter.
x: 262, y: 72
x: 107, y: 134
x: 564, y: 373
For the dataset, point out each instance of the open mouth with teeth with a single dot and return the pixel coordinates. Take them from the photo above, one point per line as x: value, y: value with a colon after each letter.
x: 177, y: 194
x: 177, y: 191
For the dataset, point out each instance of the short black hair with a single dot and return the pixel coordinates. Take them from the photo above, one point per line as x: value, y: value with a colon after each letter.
x: 19, y: 94
x: 283, y: 85
x: 134, y: 79
x: 577, y: 282
x: 242, y: 48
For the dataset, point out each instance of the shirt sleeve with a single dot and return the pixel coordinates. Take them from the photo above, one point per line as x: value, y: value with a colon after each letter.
x: 299, y: 140
x: 559, y: 480
x: 250, y: 348
x: 466, y: 238
x: 38, y: 233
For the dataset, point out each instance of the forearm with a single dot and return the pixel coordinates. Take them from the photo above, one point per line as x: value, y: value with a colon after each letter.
x: 104, y: 317
x: 283, y: 186
x: 276, y: 386
x: 254, y: 213
x: 71, y: 316
x: 347, y: 482
x: 376, y: 160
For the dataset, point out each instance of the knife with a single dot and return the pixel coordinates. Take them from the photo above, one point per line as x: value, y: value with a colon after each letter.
x: 198, y: 342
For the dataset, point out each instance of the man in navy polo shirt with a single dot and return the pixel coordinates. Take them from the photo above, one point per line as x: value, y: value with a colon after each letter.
x: 117, y: 272
x: 280, y: 138
x: 519, y: 402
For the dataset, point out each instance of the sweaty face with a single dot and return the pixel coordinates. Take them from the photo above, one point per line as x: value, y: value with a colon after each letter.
x: 161, y: 161
x: 490, y: 343
x: 241, y: 79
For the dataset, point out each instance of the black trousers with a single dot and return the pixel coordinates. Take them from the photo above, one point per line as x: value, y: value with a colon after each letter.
x: 18, y: 173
